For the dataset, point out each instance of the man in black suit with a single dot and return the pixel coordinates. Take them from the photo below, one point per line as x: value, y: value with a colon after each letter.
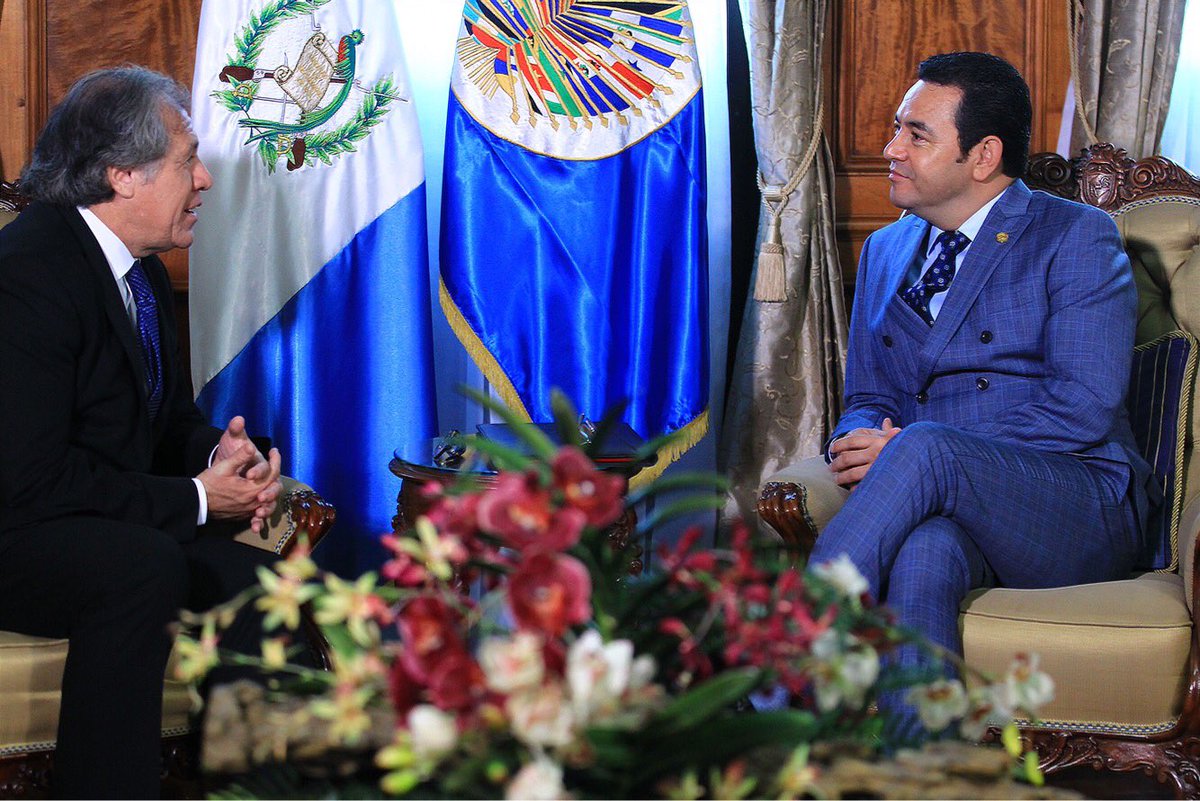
x: 108, y: 472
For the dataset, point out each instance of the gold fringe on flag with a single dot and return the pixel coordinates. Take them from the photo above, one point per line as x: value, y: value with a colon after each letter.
x: 686, y: 438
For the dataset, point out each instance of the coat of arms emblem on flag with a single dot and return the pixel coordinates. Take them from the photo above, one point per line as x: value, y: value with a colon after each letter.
x: 574, y: 250
x: 302, y: 119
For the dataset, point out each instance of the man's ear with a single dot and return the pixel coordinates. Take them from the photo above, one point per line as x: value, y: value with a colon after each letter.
x: 122, y: 181
x: 987, y: 157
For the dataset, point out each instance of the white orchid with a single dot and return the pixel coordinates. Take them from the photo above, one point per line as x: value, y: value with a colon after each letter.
x: 512, y: 663
x: 540, y: 780
x: 842, y: 573
x: 1026, y: 687
x: 542, y: 716
x: 846, y: 669
x: 939, y: 703
x: 434, y: 732
x: 601, y: 674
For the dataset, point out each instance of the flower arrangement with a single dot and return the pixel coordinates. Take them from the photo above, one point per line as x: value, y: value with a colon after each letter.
x: 510, y: 652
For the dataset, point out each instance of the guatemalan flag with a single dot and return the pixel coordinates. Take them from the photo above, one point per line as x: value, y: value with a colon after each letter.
x: 573, y: 243
x: 309, y: 281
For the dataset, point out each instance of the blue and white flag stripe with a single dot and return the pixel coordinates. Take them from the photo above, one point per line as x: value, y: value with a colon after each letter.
x: 309, y: 287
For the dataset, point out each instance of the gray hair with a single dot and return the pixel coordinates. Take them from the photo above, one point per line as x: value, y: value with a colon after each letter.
x: 109, y: 118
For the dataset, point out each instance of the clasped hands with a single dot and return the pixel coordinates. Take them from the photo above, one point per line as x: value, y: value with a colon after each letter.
x: 240, y: 483
x: 851, y: 456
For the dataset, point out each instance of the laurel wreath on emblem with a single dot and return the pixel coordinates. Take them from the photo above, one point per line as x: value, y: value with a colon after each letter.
x: 319, y: 65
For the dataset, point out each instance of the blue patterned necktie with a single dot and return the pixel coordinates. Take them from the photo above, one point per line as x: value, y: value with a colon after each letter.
x: 147, y: 324
x: 939, y: 275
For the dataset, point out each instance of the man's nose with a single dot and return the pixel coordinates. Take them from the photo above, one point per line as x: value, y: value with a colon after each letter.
x: 203, y: 178
x: 892, y: 150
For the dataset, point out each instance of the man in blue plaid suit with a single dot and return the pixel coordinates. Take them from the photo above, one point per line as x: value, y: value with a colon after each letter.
x: 985, y: 438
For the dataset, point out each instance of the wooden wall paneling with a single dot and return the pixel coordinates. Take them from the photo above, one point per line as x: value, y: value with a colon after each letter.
x: 83, y: 35
x: 877, y: 46
x: 22, y: 105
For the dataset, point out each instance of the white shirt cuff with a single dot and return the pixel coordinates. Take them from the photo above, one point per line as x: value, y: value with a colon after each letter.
x: 202, y: 514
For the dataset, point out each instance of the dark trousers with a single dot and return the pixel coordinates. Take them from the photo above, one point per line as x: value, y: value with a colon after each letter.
x: 112, y: 589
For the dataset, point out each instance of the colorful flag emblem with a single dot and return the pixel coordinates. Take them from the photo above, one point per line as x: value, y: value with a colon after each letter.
x: 573, y: 241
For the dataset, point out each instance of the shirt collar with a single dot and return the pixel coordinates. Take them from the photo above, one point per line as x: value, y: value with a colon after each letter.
x: 970, y: 228
x: 119, y: 259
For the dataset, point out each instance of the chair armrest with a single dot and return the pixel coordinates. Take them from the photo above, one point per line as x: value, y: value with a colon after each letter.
x: 300, y: 510
x: 799, y: 501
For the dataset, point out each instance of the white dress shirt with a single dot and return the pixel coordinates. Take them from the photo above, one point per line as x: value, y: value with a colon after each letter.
x: 969, y: 229
x: 120, y: 261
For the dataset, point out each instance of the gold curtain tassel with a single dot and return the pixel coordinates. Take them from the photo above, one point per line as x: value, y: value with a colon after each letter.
x: 770, y: 285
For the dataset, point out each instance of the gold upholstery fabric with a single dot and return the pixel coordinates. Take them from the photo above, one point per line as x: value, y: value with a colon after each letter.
x: 1117, y: 651
x: 1162, y: 238
x: 31, y: 668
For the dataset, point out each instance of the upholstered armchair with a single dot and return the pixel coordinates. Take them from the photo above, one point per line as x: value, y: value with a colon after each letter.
x: 1125, y: 655
x: 31, y: 668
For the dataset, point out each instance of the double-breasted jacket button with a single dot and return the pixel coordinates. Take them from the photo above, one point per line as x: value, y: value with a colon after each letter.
x: 922, y: 396
x: 985, y: 337
x: 887, y: 341
x: 982, y: 383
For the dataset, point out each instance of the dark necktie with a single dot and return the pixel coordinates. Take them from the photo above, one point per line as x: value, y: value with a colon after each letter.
x: 147, y: 324
x: 939, y: 275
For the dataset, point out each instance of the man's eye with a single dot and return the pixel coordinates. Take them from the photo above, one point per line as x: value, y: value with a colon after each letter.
x: 918, y: 138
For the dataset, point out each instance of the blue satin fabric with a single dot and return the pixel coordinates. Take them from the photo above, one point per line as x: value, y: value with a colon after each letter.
x: 590, y: 276
x: 343, y: 375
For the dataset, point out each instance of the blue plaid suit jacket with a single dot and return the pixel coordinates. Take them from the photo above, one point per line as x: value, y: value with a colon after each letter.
x: 1033, y: 345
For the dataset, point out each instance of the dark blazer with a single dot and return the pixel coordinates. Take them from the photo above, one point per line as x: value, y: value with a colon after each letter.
x: 75, y: 433
x: 1033, y: 345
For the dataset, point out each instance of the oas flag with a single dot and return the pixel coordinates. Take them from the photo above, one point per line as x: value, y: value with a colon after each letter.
x: 573, y: 246
x: 309, y: 280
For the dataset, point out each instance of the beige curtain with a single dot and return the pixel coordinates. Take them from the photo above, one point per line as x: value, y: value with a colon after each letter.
x: 785, y: 393
x: 1126, y: 51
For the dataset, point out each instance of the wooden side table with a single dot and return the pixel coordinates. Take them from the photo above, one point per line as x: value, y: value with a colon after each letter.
x: 414, y: 465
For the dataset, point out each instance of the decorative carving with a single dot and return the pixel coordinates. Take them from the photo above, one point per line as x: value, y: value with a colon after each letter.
x: 1109, y: 179
x: 311, y: 513
x: 1052, y: 173
x: 785, y: 507
x: 1168, y: 759
x: 29, y: 775
x: 11, y: 198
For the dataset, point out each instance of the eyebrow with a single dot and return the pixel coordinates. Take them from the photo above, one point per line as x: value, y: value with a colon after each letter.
x: 920, y: 126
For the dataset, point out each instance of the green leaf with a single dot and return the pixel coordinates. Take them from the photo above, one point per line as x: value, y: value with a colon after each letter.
x: 705, y: 700
x: 684, y: 506
x: 503, y: 457
x: 539, y: 443
x: 723, y: 738
x: 1033, y: 773
x: 566, y: 418
x: 691, y: 482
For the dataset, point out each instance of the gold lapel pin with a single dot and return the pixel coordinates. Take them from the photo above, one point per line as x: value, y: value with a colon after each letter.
x: 1001, y: 237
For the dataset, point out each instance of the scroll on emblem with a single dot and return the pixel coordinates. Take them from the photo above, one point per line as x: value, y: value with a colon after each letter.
x: 307, y: 83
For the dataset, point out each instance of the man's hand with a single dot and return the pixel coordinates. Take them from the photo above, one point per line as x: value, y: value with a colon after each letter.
x: 232, y: 440
x: 243, y: 485
x: 853, y: 454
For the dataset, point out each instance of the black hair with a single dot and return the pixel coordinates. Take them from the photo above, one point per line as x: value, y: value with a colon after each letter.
x: 995, y: 102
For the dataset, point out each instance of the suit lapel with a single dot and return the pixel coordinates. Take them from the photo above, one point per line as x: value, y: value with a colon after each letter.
x: 904, y: 252
x: 1009, y: 216
x: 111, y: 298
